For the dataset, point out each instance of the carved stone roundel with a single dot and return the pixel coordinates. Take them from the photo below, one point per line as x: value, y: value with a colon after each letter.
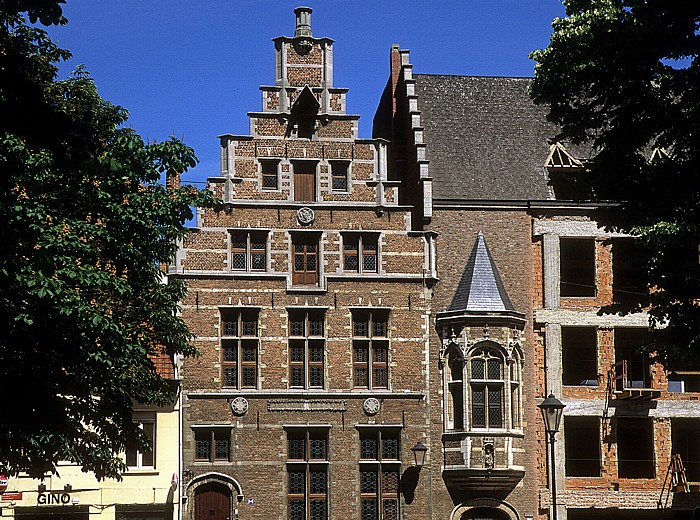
x: 305, y: 215
x: 239, y: 406
x: 371, y: 406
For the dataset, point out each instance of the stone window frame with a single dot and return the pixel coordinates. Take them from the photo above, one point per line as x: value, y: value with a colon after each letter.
x: 304, y: 347
x: 341, y: 180
x: 361, y: 241
x: 374, y: 343
x: 378, y: 470
x: 234, y: 335
x: 509, y: 386
x: 269, y: 181
x: 305, y: 470
x: 212, y: 443
x: 251, y: 251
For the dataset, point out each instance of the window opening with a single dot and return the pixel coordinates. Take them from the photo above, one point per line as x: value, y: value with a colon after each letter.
x: 304, y: 181
x: 360, y: 253
x: 628, y: 271
x: 248, y: 250
x: 379, y: 474
x: 212, y: 444
x: 339, y: 175
x: 577, y: 266
x: 136, y: 458
x: 684, y: 441
x: 305, y: 266
x: 635, y: 447
x: 268, y: 169
x: 632, y: 363
x: 582, y: 446
x: 239, y: 347
x: 370, y: 346
x: 579, y: 356
x: 307, y: 474
x: 455, y: 385
x: 486, y: 384
x: 306, y: 348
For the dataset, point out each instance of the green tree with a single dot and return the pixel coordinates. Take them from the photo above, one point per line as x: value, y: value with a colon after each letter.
x: 86, y: 225
x: 621, y: 78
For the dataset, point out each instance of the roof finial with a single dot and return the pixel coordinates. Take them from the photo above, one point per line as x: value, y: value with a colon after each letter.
x: 303, y: 22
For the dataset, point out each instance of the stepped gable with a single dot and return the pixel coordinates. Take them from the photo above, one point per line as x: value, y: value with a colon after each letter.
x: 486, y: 140
x: 481, y: 287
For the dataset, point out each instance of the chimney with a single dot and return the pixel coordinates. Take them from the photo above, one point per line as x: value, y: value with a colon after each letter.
x: 303, y: 22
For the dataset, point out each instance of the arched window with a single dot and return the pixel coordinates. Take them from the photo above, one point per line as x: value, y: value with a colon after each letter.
x: 486, y: 382
x: 455, y: 392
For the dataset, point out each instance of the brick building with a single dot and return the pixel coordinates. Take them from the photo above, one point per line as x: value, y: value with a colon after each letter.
x: 357, y: 297
x: 309, y: 295
x: 482, y: 151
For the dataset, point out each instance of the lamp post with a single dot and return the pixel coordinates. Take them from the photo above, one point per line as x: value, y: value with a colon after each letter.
x: 419, y: 451
x: 552, y: 409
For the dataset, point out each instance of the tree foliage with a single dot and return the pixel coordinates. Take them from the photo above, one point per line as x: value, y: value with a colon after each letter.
x: 622, y: 78
x: 86, y: 225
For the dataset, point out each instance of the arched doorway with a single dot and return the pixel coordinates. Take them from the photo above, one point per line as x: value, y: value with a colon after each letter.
x: 212, y: 501
x: 484, y: 513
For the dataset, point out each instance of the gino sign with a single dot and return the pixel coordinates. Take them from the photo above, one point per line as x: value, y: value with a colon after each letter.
x: 53, y: 498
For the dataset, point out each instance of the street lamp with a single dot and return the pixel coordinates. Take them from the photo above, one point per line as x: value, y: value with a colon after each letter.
x: 552, y: 409
x: 419, y: 454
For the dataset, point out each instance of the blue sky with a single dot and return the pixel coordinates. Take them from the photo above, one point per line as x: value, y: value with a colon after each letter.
x: 193, y: 68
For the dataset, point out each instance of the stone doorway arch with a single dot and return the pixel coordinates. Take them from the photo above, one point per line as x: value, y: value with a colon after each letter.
x: 484, y: 509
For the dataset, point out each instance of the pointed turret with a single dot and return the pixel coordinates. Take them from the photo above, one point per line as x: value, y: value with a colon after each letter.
x: 481, y: 287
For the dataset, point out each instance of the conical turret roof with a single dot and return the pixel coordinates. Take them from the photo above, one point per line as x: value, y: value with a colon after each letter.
x: 481, y: 287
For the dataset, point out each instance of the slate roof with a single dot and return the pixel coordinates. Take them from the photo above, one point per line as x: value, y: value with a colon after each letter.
x: 481, y: 287
x: 485, y: 138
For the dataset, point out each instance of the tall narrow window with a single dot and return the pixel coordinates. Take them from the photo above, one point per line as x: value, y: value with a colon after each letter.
x: 239, y: 347
x: 268, y: 170
x: 577, y: 266
x: 248, y: 250
x: 515, y: 391
x: 143, y: 458
x: 307, y: 474
x: 579, y: 356
x: 629, y: 280
x: 305, y: 252
x: 306, y: 348
x: 630, y: 361
x: 684, y: 441
x: 370, y: 347
x: 212, y: 444
x: 360, y: 252
x: 582, y: 446
x: 339, y: 175
x: 635, y: 447
x: 304, y: 181
x: 455, y: 395
x: 486, y: 386
x: 379, y: 473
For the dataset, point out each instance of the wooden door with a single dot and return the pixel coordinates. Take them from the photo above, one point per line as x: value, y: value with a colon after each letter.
x: 305, y: 181
x: 212, y: 502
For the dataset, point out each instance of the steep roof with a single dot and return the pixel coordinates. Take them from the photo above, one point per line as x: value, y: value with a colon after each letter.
x: 481, y: 287
x: 485, y: 138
